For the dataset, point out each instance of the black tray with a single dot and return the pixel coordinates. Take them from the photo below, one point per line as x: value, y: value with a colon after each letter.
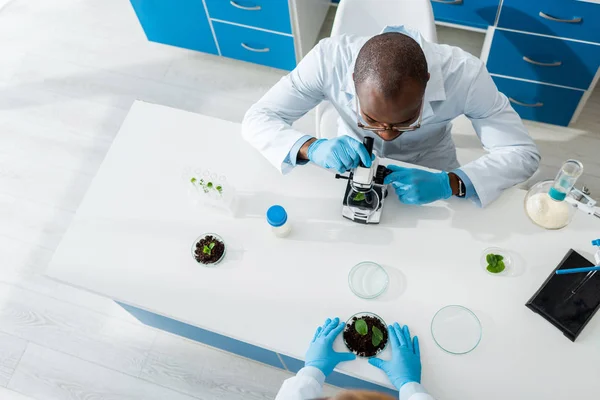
x: 563, y: 301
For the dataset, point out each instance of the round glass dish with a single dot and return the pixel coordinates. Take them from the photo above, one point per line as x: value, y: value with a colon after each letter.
x: 213, y: 263
x: 456, y: 329
x: 368, y: 280
x: 507, y: 259
x: 348, y: 327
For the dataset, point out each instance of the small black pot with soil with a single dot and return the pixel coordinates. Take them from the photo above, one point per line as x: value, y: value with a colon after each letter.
x: 365, y: 334
x: 208, y: 249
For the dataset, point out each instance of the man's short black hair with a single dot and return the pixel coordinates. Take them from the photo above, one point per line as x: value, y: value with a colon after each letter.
x: 388, y: 61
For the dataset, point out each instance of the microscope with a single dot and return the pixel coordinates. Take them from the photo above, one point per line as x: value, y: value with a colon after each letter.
x: 365, y: 191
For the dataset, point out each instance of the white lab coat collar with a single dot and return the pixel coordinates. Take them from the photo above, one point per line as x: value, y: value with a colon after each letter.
x: 435, y: 87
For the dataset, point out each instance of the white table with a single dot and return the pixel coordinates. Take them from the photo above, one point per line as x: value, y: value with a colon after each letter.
x: 131, y: 239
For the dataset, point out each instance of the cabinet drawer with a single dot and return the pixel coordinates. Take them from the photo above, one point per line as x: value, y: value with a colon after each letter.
x: 564, y: 18
x: 183, y: 24
x: 477, y: 13
x: 539, y: 58
x: 256, y: 46
x: 268, y: 14
x: 538, y: 102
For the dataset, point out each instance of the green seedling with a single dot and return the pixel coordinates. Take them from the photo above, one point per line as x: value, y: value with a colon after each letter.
x: 207, y: 186
x: 361, y: 327
x: 495, y: 263
x: 208, y: 249
x: 359, y: 196
x: 377, y: 336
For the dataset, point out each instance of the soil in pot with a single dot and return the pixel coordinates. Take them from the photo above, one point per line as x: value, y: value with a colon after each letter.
x: 360, y: 340
x: 215, y: 247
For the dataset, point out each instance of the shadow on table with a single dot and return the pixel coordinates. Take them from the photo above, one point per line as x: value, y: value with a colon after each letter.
x: 497, y: 222
x: 396, y: 285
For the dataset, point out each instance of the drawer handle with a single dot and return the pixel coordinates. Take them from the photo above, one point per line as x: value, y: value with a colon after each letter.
x: 525, y: 104
x: 265, y: 50
x: 542, y: 64
x: 241, y: 7
x: 448, y: 1
x: 568, y: 21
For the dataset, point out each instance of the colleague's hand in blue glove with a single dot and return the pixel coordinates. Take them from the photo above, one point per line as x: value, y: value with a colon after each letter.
x: 320, y: 354
x: 405, y: 365
x: 341, y: 154
x: 416, y: 186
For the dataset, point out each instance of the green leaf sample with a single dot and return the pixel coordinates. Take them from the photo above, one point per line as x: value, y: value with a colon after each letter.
x: 361, y: 327
x: 377, y: 336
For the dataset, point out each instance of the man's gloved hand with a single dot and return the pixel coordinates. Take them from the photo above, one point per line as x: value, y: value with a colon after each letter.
x: 341, y: 154
x: 320, y: 354
x: 405, y: 365
x: 416, y: 186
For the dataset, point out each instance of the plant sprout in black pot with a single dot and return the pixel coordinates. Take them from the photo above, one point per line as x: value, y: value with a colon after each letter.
x: 208, y: 249
x: 365, y: 334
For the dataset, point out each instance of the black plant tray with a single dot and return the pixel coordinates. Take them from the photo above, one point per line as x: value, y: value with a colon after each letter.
x: 562, y: 303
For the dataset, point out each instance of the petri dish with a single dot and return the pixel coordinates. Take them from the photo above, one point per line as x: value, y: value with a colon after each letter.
x: 456, y: 329
x: 213, y: 263
x: 349, y: 323
x: 508, y: 261
x: 368, y: 280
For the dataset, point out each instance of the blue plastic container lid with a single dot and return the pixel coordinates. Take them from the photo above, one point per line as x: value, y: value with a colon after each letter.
x: 276, y: 216
x: 557, y: 195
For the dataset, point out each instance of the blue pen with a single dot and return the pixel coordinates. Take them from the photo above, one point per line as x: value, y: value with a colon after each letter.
x: 586, y: 269
x: 577, y: 270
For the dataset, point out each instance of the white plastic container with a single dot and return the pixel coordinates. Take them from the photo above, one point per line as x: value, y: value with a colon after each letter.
x: 278, y: 220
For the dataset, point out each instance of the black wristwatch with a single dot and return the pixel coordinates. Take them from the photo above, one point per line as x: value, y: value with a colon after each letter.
x: 462, y: 192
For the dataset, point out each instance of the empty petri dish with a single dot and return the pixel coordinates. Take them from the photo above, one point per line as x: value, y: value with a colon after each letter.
x: 456, y: 329
x: 506, y: 259
x: 368, y: 280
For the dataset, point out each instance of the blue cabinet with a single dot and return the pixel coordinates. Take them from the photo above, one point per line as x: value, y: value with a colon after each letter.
x: 267, y: 14
x: 563, y: 18
x: 181, y: 23
x: 544, y: 59
x: 540, y: 102
x: 475, y: 13
x: 255, y: 46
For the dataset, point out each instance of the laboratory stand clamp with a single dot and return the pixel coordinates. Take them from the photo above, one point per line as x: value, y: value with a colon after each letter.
x: 365, y: 192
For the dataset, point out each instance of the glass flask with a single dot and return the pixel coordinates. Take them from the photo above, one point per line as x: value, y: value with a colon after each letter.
x: 362, y: 201
x: 545, y: 203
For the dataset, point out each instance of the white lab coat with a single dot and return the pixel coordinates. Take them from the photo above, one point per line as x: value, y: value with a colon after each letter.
x: 459, y: 84
x: 308, y: 384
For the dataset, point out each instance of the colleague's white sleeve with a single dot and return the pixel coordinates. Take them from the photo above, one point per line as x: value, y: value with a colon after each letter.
x: 513, y: 156
x: 268, y: 124
x: 414, y: 391
x: 307, y: 384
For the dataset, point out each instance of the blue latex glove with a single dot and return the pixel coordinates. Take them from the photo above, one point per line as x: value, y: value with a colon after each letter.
x: 341, y: 154
x: 405, y: 365
x: 415, y: 186
x: 320, y: 354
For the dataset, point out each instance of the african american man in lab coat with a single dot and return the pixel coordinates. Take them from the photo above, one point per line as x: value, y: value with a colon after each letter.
x: 404, y: 91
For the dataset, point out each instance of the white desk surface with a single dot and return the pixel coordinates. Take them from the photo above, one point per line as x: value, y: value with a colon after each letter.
x: 131, y: 240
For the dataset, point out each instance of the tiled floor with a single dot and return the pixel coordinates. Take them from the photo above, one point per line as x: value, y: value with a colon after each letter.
x: 70, y: 69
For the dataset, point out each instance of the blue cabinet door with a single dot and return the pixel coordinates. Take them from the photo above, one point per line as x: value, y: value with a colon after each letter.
x: 256, y: 46
x: 476, y: 13
x: 181, y: 23
x: 563, y: 18
x: 267, y: 14
x: 544, y: 59
x: 539, y: 102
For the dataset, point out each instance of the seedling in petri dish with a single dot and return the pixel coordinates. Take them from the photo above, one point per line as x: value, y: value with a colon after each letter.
x: 495, y: 263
